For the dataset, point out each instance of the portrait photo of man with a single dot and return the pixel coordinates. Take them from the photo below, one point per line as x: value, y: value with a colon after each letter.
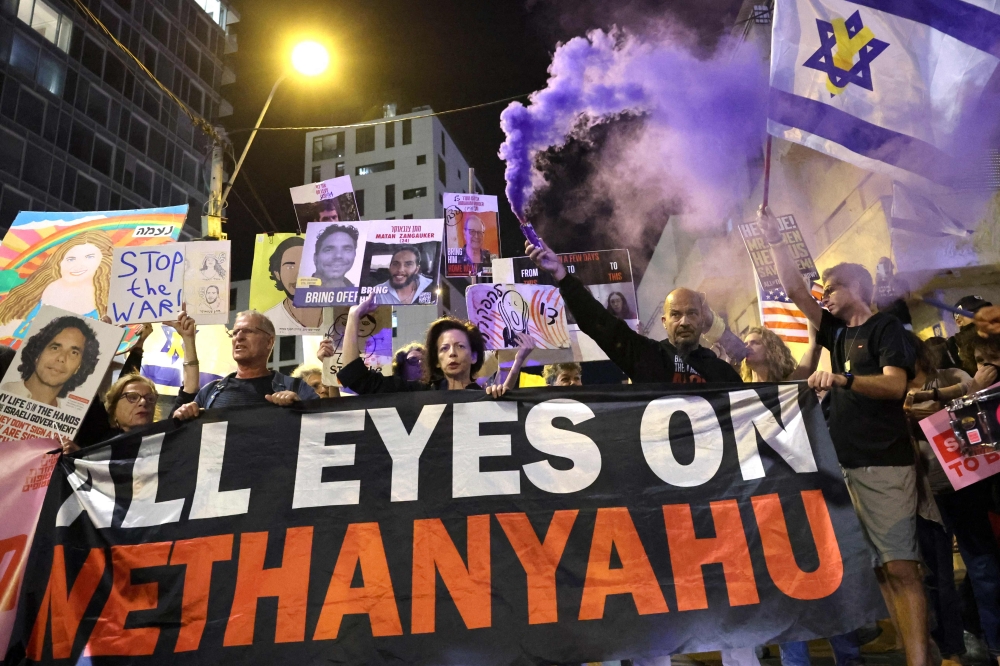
x: 336, y: 250
x: 406, y: 281
x: 211, y: 303
x: 283, y: 268
x: 55, y: 360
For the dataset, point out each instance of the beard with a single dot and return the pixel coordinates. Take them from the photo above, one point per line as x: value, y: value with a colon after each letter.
x: 410, y: 279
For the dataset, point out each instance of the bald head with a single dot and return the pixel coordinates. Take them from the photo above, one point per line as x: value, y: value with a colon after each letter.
x: 684, y: 318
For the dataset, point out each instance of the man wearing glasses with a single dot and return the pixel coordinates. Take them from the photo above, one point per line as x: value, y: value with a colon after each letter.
x: 475, y: 254
x: 252, y: 383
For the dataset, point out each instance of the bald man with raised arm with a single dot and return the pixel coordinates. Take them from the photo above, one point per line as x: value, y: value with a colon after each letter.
x: 872, y: 361
x: 679, y: 359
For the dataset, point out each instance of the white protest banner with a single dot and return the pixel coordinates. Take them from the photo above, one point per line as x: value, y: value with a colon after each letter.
x: 402, y: 261
x: 206, y: 281
x: 55, y: 375
x: 508, y: 313
x: 473, y: 238
x: 375, y: 342
x: 147, y: 284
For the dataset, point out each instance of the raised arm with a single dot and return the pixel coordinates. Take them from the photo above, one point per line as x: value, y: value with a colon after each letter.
x: 350, y: 350
x: 788, y: 272
x: 810, y: 359
x: 187, y: 328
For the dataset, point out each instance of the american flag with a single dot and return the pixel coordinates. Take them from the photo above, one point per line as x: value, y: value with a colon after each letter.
x: 782, y: 316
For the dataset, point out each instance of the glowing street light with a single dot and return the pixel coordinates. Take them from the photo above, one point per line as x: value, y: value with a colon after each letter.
x: 309, y: 58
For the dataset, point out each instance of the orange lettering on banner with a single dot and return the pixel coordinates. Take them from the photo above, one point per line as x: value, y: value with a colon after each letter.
x: 67, y: 608
x: 8, y: 582
x: 785, y: 572
x: 110, y: 637
x: 197, y: 555
x: 434, y: 551
x: 689, y: 553
x: 613, y: 527
x: 540, y: 560
x: 289, y: 582
x: 362, y: 547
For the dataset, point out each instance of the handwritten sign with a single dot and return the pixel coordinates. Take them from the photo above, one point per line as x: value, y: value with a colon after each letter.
x: 374, y: 342
x: 507, y: 314
x: 206, y: 281
x: 147, y: 284
x: 961, y: 470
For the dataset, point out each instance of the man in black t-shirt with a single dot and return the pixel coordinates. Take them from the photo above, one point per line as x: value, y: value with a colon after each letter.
x: 872, y: 362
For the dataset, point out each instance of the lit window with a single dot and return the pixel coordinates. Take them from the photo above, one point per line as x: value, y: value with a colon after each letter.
x: 215, y: 9
x: 374, y: 168
x: 415, y: 193
x: 46, y: 21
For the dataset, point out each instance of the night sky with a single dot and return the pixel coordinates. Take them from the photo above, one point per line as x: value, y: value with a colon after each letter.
x: 443, y: 53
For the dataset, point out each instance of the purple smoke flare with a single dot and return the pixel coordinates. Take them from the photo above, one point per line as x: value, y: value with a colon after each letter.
x: 705, y: 117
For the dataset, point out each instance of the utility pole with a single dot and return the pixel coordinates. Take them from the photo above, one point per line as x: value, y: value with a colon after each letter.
x: 212, y: 221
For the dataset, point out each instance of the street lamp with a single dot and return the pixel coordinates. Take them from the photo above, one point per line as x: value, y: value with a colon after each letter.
x: 309, y: 58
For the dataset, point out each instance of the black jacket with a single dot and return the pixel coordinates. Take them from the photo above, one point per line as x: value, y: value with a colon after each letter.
x: 642, y: 359
x: 364, y: 381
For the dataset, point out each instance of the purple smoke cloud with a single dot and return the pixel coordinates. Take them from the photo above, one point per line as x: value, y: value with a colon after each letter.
x: 707, y: 116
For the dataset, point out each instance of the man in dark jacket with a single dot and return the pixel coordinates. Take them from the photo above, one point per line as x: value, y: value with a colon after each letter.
x: 679, y: 359
x: 960, y: 344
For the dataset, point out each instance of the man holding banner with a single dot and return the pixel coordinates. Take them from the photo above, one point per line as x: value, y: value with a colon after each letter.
x: 872, y: 363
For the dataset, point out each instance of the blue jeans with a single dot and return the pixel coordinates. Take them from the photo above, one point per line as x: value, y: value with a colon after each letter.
x: 966, y: 513
x: 942, y: 595
x: 846, y: 651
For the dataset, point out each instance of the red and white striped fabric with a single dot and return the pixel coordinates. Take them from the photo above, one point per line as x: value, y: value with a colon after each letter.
x: 779, y: 314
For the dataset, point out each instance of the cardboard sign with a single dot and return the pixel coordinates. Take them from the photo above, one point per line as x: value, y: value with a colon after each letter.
x: 328, y: 201
x: 55, y: 374
x: 375, y: 342
x: 64, y: 260
x: 331, y: 264
x: 402, y: 261
x: 763, y: 262
x: 206, y: 281
x: 472, y: 236
x: 147, y: 284
x: 607, y: 275
x: 518, y: 315
x: 276, y: 259
x: 961, y: 470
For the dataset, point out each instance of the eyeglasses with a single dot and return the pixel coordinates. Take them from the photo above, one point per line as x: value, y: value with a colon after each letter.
x: 246, y: 330
x: 133, y: 397
x: 413, y: 361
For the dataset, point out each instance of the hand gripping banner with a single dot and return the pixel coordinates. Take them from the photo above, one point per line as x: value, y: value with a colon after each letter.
x: 554, y: 525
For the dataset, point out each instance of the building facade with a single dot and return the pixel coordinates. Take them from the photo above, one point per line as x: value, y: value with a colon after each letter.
x: 83, y: 128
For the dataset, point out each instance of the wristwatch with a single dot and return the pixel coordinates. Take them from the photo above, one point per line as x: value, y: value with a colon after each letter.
x: 850, y: 380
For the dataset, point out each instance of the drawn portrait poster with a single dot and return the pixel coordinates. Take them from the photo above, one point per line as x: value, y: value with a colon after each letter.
x: 402, y: 261
x: 206, y: 281
x: 607, y: 274
x: 327, y: 201
x: 276, y: 259
x: 518, y: 315
x: 55, y: 375
x: 374, y: 342
x: 472, y: 236
x: 64, y: 260
x: 330, y: 269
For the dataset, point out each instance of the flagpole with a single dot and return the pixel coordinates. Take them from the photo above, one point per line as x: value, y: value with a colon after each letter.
x: 767, y: 170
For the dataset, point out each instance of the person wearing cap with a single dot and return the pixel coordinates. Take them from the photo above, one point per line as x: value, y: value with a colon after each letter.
x: 960, y: 344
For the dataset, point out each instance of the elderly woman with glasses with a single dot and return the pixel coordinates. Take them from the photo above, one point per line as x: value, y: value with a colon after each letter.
x: 131, y: 403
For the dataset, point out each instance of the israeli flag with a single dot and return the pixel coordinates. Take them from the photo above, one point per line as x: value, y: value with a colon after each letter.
x: 887, y: 85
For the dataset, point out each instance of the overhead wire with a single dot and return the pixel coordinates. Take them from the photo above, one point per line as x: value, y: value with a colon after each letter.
x: 249, y: 211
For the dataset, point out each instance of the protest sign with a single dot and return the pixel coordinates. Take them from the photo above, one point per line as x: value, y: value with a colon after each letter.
x: 330, y: 268
x: 25, y: 468
x: 163, y: 356
x: 472, y: 235
x: 518, y: 315
x: 961, y: 470
x: 327, y: 201
x: 607, y: 275
x: 402, y: 261
x: 206, y: 281
x: 64, y: 260
x: 55, y: 375
x: 147, y: 284
x: 375, y: 342
x: 276, y: 259
x: 442, y: 527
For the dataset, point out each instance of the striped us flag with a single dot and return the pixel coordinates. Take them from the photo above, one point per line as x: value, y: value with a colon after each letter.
x: 782, y: 316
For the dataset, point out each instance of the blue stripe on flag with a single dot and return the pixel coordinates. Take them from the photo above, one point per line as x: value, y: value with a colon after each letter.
x: 859, y: 136
x: 975, y: 26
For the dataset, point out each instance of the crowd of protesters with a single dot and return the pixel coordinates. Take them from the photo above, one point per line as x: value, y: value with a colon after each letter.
x: 882, y: 379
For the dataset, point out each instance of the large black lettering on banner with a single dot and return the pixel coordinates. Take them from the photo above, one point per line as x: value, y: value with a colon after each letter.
x: 555, y: 525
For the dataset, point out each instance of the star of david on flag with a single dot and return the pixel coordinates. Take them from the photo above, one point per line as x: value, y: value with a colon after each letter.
x: 893, y: 86
x: 840, y: 41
